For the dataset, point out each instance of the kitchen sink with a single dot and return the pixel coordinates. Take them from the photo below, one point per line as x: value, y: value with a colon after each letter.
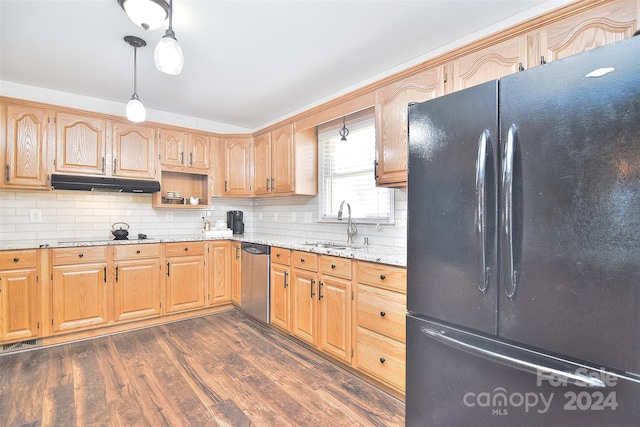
x: 333, y: 245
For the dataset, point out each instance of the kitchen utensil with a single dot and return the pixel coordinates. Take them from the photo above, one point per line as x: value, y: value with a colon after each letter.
x: 120, y: 233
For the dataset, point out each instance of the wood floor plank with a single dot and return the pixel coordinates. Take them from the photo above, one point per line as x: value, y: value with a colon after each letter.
x: 222, y: 369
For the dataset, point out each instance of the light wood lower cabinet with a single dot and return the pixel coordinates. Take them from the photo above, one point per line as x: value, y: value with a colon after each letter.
x: 185, y: 281
x: 79, y: 288
x: 304, y: 296
x: 380, y: 323
x: 219, y: 273
x: 236, y: 272
x: 279, y: 287
x: 19, y: 295
x: 137, y: 281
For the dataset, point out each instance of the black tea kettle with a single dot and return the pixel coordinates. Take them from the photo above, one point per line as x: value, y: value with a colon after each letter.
x: 120, y: 233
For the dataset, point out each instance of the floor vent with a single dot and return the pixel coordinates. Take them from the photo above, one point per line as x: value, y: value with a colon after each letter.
x: 22, y: 345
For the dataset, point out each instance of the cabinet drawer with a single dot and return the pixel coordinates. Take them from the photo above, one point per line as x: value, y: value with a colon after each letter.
x: 304, y: 260
x: 394, y: 278
x: 381, y: 357
x: 382, y: 311
x: 184, y: 249
x: 124, y: 252
x: 335, y: 266
x: 79, y: 255
x: 12, y: 260
x: 281, y: 256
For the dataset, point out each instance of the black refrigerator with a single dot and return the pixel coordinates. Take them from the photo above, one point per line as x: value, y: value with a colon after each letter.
x: 523, y: 248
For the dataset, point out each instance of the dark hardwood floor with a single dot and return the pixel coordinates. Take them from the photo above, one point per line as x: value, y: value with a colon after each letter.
x: 218, y: 370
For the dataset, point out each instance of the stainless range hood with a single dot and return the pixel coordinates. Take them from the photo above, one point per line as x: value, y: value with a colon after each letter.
x: 112, y: 185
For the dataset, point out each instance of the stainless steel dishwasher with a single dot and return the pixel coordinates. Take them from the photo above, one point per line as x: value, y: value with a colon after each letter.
x: 254, y: 299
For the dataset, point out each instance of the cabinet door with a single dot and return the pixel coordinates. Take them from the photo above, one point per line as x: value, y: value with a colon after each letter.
x: 81, y: 144
x: 597, y: 27
x: 27, y: 133
x: 303, y: 305
x: 185, y: 283
x: 490, y: 63
x: 18, y: 305
x: 236, y: 272
x: 172, y: 146
x: 199, y: 148
x: 137, y: 289
x: 237, y: 180
x: 334, y: 314
x: 392, y: 123
x: 133, y: 151
x: 262, y: 164
x: 280, y: 296
x: 219, y: 273
x: 282, y: 155
x: 79, y: 297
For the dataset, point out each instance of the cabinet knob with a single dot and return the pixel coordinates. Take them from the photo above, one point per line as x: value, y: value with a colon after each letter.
x: 382, y: 314
x: 382, y: 277
x: 382, y: 360
x: 80, y: 255
x: 186, y: 249
x: 301, y: 259
x: 277, y: 255
x: 333, y: 266
x: 138, y: 251
x: 16, y: 259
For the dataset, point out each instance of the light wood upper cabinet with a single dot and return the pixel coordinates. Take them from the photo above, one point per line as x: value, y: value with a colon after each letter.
x: 489, y: 63
x: 182, y: 151
x: 262, y: 164
x: 237, y: 167
x: 19, y: 295
x: 596, y: 27
x: 392, y: 123
x: 81, y: 144
x: 25, y: 151
x: 282, y: 157
x: 133, y: 151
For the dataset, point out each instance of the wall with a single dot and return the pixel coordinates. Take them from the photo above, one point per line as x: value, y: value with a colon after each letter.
x: 75, y: 215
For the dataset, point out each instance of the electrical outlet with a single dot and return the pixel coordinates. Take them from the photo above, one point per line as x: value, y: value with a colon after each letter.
x: 169, y: 216
x: 293, y: 217
x: 259, y: 216
x: 35, y: 215
x: 275, y: 216
x: 307, y: 217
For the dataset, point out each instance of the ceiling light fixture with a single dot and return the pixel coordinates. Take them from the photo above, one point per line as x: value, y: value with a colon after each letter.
x: 168, y: 54
x: 148, y: 14
x: 344, y: 131
x: 135, y: 110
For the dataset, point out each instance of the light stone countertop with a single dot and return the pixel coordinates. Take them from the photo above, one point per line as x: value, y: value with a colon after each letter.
x: 373, y: 253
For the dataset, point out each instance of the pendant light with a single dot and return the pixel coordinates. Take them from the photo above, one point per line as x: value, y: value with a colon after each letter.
x: 168, y: 54
x: 148, y: 14
x: 344, y: 131
x: 135, y: 110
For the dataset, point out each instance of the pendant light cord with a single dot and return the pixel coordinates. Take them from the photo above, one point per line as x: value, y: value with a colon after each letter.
x: 135, y: 71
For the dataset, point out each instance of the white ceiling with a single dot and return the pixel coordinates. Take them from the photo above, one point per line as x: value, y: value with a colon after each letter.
x: 247, y: 63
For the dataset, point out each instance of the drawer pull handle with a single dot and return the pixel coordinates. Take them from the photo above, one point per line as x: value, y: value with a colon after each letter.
x: 382, y: 360
x: 138, y: 251
x: 382, y: 314
x: 382, y: 277
x: 333, y: 266
x: 80, y: 255
x: 16, y: 259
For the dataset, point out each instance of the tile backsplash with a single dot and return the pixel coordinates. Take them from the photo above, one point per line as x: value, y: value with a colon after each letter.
x: 71, y: 215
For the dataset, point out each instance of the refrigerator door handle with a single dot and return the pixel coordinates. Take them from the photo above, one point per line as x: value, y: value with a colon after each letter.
x: 481, y: 230
x: 507, y: 188
x: 543, y: 366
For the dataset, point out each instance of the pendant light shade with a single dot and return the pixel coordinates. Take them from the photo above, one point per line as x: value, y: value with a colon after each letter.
x: 135, y: 110
x: 168, y: 54
x: 148, y: 14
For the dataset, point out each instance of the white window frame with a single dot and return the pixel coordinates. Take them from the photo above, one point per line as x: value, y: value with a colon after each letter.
x: 354, y: 123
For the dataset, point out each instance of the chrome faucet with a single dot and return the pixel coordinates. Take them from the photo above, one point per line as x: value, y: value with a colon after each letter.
x: 351, y: 226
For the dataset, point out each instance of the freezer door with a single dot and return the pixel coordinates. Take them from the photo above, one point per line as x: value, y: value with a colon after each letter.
x: 455, y: 378
x: 451, y: 238
x: 570, y: 220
